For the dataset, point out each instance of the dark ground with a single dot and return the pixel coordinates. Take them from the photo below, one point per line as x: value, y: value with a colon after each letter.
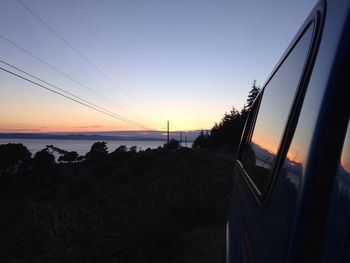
x: 153, y: 206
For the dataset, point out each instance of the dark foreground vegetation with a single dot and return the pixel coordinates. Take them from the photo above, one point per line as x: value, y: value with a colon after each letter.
x: 163, y: 205
x: 158, y: 205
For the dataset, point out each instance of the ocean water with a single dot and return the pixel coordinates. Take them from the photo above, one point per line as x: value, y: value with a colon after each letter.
x: 81, y: 146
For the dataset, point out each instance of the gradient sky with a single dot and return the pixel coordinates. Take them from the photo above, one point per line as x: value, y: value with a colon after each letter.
x: 187, y: 61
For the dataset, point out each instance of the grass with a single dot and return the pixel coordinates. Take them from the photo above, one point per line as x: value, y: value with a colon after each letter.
x: 153, y: 206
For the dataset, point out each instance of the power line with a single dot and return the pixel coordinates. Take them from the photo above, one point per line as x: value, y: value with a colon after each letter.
x: 69, y: 93
x: 76, y: 99
x: 76, y: 51
x: 58, y: 71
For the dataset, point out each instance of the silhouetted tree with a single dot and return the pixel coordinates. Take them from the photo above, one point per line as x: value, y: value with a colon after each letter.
x: 252, y: 95
x: 98, y: 160
x: 121, y: 154
x: 65, y: 156
x: 69, y: 157
x: 53, y: 149
x: 97, y: 152
x: 44, y: 167
x: 172, y: 145
x: 201, y: 141
x: 133, y: 149
x: 152, y: 199
x: 14, y: 158
x: 121, y: 149
x: 225, y: 136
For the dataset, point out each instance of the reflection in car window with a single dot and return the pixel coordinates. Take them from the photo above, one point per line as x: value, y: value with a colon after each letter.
x: 345, y: 155
x: 273, y: 114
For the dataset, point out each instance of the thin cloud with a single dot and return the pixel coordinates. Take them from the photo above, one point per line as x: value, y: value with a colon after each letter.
x: 89, y: 127
x: 20, y: 130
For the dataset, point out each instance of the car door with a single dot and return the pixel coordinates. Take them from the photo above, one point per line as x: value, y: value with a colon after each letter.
x: 336, y: 246
x: 268, y: 167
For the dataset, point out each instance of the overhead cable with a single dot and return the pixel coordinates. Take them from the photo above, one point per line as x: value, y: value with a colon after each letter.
x: 75, y: 98
x: 50, y: 28
x: 58, y: 70
x: 67, y: 92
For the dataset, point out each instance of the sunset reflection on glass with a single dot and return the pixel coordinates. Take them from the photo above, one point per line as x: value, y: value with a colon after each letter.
x: 271, y: 121
x: 345, y: 157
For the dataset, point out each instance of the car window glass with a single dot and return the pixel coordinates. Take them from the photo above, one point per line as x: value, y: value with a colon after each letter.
x: 344, y: 167
x: 273, y: 114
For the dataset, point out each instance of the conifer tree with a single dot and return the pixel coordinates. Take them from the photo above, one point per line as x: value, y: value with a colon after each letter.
x: 252, y: 95
x: 226, y: 134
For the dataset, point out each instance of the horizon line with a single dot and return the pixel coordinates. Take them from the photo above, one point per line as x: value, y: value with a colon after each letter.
x: 27, y: 131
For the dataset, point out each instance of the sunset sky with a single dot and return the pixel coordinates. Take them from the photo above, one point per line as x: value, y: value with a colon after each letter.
x: 148, y: 62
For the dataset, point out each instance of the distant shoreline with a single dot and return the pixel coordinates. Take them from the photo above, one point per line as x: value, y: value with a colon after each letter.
x: 46, y: 136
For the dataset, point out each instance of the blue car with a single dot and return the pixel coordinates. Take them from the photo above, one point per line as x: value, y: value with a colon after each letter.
x: 291, y: 194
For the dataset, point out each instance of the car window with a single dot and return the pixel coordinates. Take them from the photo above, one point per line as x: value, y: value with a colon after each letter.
x: 344, y: 167
x: 277, y: 99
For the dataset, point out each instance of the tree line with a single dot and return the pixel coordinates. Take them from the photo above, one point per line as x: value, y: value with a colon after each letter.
x: 225, y: 135
x: 119, y: 206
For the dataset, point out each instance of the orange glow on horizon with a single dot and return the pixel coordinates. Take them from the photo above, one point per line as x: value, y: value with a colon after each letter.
x: 293, y: 155
x: 88, y: 129
x: 59, y: 129
x: 265, y: 146
x: 345, y: 160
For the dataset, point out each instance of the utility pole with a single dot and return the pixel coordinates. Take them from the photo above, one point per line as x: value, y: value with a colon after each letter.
x: 180, y: 138
x: 185, y: 140
x: 168, y: 133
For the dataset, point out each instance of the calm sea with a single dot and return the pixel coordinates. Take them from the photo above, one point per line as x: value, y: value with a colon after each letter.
x: 80, y: 146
